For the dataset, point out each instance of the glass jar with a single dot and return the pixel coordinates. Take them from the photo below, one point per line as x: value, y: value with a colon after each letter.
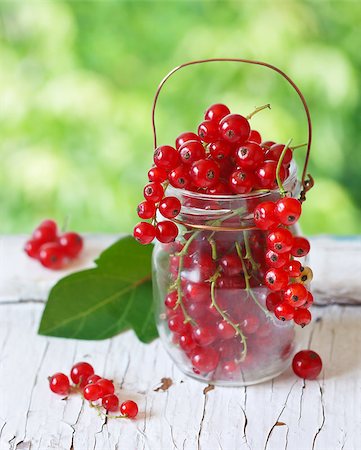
x: 210, y: 295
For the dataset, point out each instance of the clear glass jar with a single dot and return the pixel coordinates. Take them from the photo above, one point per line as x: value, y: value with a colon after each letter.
x: 210, y: 296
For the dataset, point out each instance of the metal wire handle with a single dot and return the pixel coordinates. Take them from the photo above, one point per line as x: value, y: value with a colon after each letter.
x: 306, y: 179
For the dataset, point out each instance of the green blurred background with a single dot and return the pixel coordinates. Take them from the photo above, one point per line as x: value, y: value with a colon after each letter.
x: 77, y: 81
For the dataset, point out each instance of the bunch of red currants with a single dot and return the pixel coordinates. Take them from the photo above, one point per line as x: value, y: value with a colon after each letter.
x: 93, y: 388
x: 51, y: 249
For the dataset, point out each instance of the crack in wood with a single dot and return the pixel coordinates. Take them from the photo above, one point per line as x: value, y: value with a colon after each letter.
x: 323, y: 417
x: 32, y: 301
x: 201, y: 422
x: 301, y: 399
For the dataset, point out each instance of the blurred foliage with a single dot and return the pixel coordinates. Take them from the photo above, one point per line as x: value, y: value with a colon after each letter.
x: 77, y: 81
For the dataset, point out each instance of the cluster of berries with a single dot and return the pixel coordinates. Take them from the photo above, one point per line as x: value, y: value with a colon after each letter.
x: 226, y: 157
x: 285, y: 277
x: 93, y: 388
x: 51, y: 249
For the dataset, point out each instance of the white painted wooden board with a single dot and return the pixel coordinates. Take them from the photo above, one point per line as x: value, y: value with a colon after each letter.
x: 283, y: 413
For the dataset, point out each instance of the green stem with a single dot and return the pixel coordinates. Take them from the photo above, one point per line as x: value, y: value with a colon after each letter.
x: 278, y: 169
x: 249, y: 255
x: 257, y: 110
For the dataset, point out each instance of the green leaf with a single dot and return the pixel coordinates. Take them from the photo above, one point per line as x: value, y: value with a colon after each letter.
x: 101, y: 302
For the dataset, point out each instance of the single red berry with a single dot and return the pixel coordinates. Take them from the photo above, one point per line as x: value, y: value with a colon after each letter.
x: 280, y: 240
x: 71, y: 243
x: 216, y: 112
x: 300, y: 247
x: 205, y: 173
x: 129, y: 409
x: 219, y: 150
x: 176, y: 324
x: 309, y: 301
x: 205, y: 359
x: 93, y: 379
x: 264, y: 215
x: 170, y: 207
x: 157, y: 174
x: 185, y: 137
x: 229, y: 367
x: 273, y: 299
x: 110, y: 402
x: 106, y: 385
x: 275, y: 151
x: 302, y: 317
x: 288, y: 210
x: 293, y: 268
x: 146, y: 209
x: 80, y: 373
x: 32, y: 248
x: 49, y: 223
x: 250, y: 324
x: 276, y: 279
x: 234, y: 128
x: 59, y: 384
x: 266, y: 145
x: 208, y: 131
x: 166, y: 231
x: 231, y: 265
x: 191, y: 152
x: 186, y: 342
x: 242, y: 182
x: 295, y: 294
x: 249, y: 156
x: 166, y: 157
x: 153, y: 192
x: 221, y: 188
x: 277, y: 260
x: 307, y: 364
x: 203, y: 265
x: 92, y: 392
x: 171, y: 300
x: 144, y: 232
x: 52, y: 255
x: 197, y: 292
x: 179, y: 177
x: 45, y: 233
x: 284, y: 311
x: 225, y: 330
x: 266, y: 174
x: 204, y: 335
x: 254, y: 136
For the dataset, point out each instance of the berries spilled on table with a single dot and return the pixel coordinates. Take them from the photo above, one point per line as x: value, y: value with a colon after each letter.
x: 52, y: 250
x: 93, y: 388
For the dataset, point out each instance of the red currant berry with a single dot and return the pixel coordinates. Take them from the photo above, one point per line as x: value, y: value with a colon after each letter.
x: 225, y: 330
x: 171, y: 300
x: 300, y: 247
x: 275, y: 151
x: 266, y: 145
x: 273, y: 299
x: 242, y: 182
x: 153, y: 192
x: 49, y: 223
x: 229, y: 367
x: 129, y: 409
x: 191, y: 152
x: 110, y: 402
x: 52, y: 255
x: 296, y: 294
x: 293, y: 268
x: 249, y: 156
x: 71, y: 243
x: 106, y: 385
x: 177, y: 325
x: 309, y: 301
x: 302, y: 317
x: 204, y: 335
x: 220, y: 150
x: 144, y: 232
x: 59, y: 384
x: 276, y: 279
x: 307, y: 364
x: 264, y: 216
x: 208, y: 131
x: 46, y: 232
x: 93, y: 379
x: 277, y: 260
x: 250, y: 324
x: 280, y: 240
x: 266, y: 175
x: 197, y: 292
x: 32, y: 248
x: 231, y: 265
x: 80, y: 373
x: 157, y: 174
x: 180, y: 178
x: 219, y: 189
x: 234, y: 128
x: 186, y: 342
x: 216, y: 112
x: 205, y: 173
x: 205, y: 359
x: 288, y: 210
x: 170, y: 207
x: 204, y: 265
x: 92, y: 392
x: 166, y: 157
x: 166, y: 231
x: 146, y: 209
x: 284, y: 311
x: 254, y: 136
x: 185, y: 137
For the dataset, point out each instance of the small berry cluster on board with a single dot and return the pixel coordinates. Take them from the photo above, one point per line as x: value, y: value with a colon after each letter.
x: 98, y: 391
x: 52, y: 250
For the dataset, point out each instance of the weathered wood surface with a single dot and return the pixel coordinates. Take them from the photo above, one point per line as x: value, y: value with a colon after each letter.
x: 284, y: 413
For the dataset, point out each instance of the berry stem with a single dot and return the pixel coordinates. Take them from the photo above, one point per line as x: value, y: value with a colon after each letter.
x: 298, y: 146
x: 278, y: 169
x: 257, y: 110
x: 249, y: 255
